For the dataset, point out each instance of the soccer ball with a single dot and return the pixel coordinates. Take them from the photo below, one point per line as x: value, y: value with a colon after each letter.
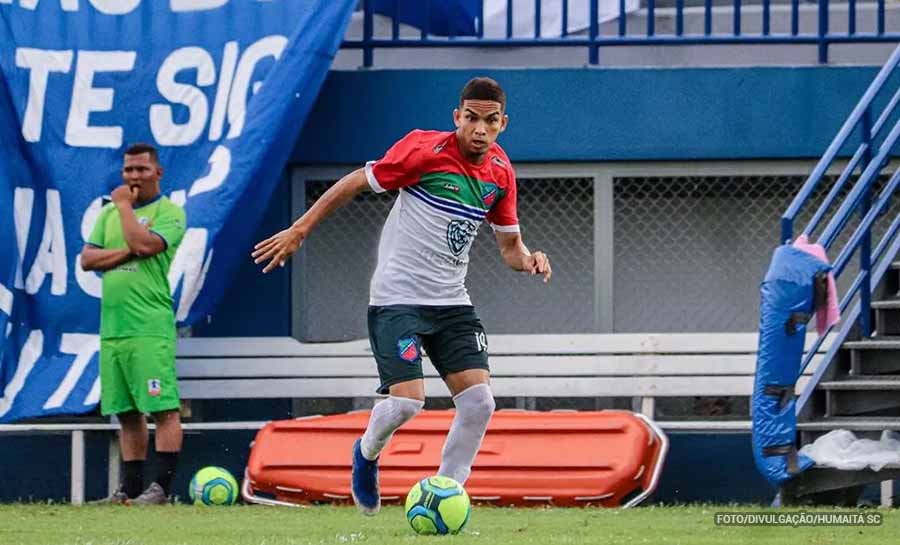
x: 437, y: 505
x: 213, y: 486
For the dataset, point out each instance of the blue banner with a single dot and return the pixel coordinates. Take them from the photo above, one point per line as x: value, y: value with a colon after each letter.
x: 221, y: 87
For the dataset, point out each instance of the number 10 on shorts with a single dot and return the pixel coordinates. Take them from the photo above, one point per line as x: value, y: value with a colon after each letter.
x: 481, y: 341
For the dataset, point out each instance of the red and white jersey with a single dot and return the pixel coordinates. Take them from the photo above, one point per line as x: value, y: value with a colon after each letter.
x: 423, y: 254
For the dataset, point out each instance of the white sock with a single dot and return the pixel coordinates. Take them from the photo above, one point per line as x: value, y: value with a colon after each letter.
x: 387, y: 416
x: 474, y: 407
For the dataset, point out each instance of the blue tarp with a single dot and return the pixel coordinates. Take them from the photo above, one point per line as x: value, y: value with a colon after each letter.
x: 787, y: 291
x: 221, y: 87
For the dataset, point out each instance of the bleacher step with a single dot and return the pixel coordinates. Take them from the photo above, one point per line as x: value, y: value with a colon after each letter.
x: 864, y: 382
x: 819, y: 479
x: 855, y: 424
x: 887, y: 316
x: 877, y: 356
x: 886, y: 467
x: 883, y: 343
x: 887, y: 304
x: 861, y: 395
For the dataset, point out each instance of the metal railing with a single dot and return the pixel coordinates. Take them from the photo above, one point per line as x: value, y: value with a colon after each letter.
x: 870, y: 157
x: 777, y: 22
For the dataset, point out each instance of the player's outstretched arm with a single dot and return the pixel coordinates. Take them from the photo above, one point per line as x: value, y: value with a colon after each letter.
x: 517, y: 256
x: 281, y: 246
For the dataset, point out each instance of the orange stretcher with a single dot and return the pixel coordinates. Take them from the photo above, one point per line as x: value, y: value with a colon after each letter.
x: 602, y: 458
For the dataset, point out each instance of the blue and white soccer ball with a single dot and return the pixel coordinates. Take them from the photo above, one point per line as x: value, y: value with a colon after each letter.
x: 213, y: 485
x: 437, y: 505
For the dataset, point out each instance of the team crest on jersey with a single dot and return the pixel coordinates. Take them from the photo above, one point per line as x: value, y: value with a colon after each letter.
x: 459, y: 233
x: 489, y: 195
x: 408, y: 350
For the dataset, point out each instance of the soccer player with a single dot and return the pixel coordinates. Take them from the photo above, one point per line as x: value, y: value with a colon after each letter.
x: 133, y: 243
x: 449, y: 183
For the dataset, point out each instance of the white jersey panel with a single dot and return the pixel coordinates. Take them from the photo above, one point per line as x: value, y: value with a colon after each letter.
x: 423, y: 254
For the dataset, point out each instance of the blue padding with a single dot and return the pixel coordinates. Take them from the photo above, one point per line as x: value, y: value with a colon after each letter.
x: 787, y: 289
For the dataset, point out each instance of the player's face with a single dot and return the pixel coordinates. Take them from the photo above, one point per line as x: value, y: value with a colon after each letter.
x: 478, y: 124
x: 142, y: 172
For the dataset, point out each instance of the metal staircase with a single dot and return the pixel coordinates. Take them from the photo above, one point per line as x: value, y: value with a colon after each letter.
x: 856, y: 386
x: 860, y: 392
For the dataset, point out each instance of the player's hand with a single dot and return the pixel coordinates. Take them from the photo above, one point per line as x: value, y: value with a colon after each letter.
x: 124, y: 194
x: 538, y: 263
x: 278, y: 248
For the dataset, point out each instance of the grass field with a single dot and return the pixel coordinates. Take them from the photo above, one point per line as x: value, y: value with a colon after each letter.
x: 42, y: 524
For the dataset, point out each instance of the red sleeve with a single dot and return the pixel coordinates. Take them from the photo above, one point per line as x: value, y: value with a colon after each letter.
x: 400, y: 166
x: 503, y: 216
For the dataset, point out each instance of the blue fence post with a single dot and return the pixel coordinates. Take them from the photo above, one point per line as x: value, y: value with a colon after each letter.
x: 823, y: 31
x: 368, y: 15
x: 395, y: 20
x: 679, y: 17
x: 707, y: 17
x: 787, y: 231
x: 795, y: 17
x: 865, y: 246
x: 593, y: 48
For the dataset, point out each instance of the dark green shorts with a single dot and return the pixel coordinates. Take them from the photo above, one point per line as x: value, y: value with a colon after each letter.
x: 452, y: 337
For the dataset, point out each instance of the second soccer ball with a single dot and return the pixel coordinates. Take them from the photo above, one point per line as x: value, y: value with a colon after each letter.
x: 213, y: 486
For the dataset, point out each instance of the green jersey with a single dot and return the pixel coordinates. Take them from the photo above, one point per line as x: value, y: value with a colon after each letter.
x: 136, y: 296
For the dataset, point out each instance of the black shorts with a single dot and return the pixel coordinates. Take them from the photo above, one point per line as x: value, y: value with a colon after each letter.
x: 452, y: 337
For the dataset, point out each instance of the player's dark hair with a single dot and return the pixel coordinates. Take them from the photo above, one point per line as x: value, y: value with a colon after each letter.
x: 142, y: 147
x: 483, y: 89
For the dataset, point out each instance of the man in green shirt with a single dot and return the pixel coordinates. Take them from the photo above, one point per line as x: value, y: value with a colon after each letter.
x: 133, y: 243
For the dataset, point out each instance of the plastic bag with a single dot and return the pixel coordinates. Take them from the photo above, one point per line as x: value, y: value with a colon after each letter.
x: 841, y: 449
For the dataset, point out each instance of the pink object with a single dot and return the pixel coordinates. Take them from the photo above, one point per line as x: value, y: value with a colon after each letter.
x: 829, y: 314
